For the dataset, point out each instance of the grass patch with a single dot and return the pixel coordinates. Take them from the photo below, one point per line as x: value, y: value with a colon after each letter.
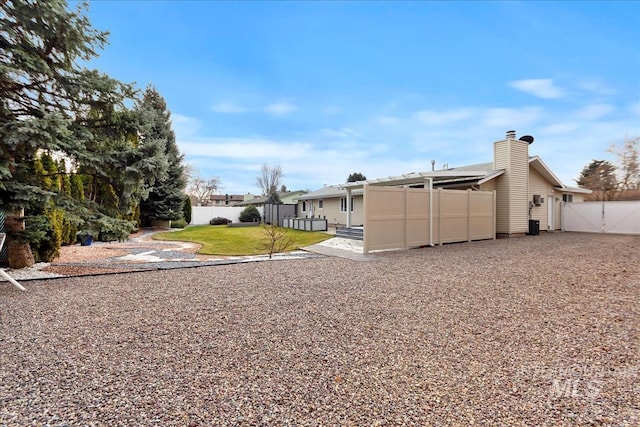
x: 223, y: 240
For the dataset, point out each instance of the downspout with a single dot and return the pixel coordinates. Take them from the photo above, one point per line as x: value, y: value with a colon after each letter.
x: 348, y: 207
x: 430, y: 179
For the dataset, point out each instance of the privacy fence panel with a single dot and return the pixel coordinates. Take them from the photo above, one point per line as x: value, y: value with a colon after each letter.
x: 621, y: 217
x: 203, y: 214
x: 399, y: 218
x: 276, y: 213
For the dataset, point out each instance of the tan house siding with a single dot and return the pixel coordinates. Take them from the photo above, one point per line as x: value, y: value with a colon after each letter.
x: 512, y: 187
x: 539, y: 185
x: 331, y: 210
x: 488, y: 186
x: 501, y: 161
x: 519, y: 177
x: 558, y: 210
x: 502, y: 205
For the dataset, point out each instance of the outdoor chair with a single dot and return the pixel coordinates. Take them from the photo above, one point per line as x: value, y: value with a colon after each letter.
x: 4, y: 273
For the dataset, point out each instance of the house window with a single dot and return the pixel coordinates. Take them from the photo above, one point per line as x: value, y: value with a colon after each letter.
x: 304, y: 206
x: 343, y: 204
x: 320, y: 204
x: 567, y: 198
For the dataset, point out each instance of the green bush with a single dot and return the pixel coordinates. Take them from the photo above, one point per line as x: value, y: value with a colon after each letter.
x: 250, y: 214
x: 69, y: 232
x: 108, y: 229
x: 178, y: 223
x: 219, y: 221
x: 45, y: 243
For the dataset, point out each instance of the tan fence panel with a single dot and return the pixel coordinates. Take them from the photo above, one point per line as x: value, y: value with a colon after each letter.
x: 398, y: 218
x: 454, y: 224
x: 417, y: 224
x: 482, y: 223
x: 384, y: 222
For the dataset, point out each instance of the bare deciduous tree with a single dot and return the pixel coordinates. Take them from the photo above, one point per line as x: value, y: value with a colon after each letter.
x: 277, y: 239
x: 269, y: 179
x: 628, y: 163
x: 202, y: 189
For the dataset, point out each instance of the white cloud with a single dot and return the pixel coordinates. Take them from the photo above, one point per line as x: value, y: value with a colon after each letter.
x: 340, y: 133
x: 431, y: 117
x: 280, y: 108
x: 185, y: 126
x: 388, y: 120
x: 244, y: 148
x: 595, y: 86
x: 541, y: 88
x: 230, y: 108
x: 511, y: 118
x: 560, y: 128
x: 593, y: 111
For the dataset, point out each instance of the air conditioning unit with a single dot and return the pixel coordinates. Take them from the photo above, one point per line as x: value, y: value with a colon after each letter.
x: 537, y: 200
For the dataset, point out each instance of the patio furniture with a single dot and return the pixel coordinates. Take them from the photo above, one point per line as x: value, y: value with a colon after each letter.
x: 3, y: 273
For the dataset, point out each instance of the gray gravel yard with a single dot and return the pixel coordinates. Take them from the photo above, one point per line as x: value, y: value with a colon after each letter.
x: 534, y: 331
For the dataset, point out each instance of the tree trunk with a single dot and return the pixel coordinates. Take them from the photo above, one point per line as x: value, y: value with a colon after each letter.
x: 19, y: 253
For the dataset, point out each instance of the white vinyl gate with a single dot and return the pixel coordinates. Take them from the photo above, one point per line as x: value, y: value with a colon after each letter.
x: 602, y: 217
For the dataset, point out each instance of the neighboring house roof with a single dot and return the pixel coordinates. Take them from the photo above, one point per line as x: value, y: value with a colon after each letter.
x: 227, y: 197
x: 261, y: 200
x: 258, y: 200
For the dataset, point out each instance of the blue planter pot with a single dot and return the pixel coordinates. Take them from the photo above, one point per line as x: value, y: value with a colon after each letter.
x: 86, y: 240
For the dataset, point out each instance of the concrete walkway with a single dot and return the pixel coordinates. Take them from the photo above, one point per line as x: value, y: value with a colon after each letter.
x: 341, y: 248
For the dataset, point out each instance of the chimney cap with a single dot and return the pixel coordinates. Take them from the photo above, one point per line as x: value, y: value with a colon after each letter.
x: 511, y: 134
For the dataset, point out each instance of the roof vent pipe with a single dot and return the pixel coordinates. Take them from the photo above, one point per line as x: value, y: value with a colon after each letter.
x: 433, y: 165
x: 511, y: 134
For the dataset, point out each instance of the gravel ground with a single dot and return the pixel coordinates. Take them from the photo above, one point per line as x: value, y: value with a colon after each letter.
x: 535, y: 331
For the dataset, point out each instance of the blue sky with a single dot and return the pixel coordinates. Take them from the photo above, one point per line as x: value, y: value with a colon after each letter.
x: 329, y: 88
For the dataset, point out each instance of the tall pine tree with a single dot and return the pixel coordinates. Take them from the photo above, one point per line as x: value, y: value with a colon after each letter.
x: 166, y: 194
x: 50, y: 103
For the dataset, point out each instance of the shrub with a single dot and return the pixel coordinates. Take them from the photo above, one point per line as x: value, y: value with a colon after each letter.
x: 219, y: 221
x: 109, y: 229
x: 46, y: 239
x: 178, y: 223
x: 250, y: 214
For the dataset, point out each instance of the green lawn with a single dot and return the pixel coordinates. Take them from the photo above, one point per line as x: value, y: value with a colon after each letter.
x: 223, y: 240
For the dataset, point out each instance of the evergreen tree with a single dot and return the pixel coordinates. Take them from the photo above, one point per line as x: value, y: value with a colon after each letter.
x: 356, y: 176
x: 50, y: 103
x: 186, y: 209
x: 165, y: 197
x: 600, y: 177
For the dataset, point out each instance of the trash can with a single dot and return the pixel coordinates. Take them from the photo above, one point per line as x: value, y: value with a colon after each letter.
x: 534, y: 227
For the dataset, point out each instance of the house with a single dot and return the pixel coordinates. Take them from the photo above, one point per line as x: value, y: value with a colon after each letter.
x: 225, y: 199
x: 526, y: 189
x: 286, y: 197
